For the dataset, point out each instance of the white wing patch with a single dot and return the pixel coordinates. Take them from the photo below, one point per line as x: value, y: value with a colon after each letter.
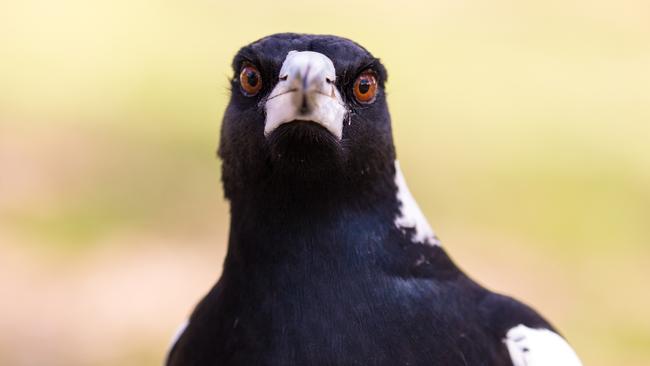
x: 410, y: 215
x: 177, y: 335
x: 539, y: 347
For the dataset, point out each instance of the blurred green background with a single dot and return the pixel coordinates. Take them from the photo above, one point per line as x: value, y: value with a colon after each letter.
x: 523, y: 129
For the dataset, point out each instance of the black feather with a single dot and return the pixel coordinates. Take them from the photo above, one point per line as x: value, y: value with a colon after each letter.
x: 317, y: 273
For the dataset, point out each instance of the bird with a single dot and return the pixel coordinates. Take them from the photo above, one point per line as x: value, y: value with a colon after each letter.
x: 330, y: 260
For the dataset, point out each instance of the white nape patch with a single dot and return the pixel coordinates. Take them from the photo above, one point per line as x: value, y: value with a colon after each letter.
x: 306, y: 91
x: 410, y: 216
x: 539, y: 347
x: 177, y: 335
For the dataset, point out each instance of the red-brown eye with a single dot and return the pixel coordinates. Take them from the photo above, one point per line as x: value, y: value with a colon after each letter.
x: 250, y: 80
x: 365, y: 87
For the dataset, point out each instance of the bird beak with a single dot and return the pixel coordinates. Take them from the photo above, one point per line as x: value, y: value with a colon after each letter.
x: 306, y: 91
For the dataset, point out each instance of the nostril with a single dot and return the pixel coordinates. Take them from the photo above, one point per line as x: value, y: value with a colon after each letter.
x: 329, y: 81
x: 284, y: 77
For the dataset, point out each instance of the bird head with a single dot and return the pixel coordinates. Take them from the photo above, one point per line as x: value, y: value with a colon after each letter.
x: 305, y: 111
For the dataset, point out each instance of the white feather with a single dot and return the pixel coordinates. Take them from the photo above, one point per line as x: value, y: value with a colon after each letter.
x: 410, y: 216
x: 179, y: 332
x: 539, y: 347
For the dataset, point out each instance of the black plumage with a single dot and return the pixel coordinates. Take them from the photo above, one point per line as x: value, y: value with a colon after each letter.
x: 317, y: 272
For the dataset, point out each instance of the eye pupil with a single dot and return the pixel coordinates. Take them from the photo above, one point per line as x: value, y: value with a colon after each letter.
x: 252, y: 78
x: 364, y: 86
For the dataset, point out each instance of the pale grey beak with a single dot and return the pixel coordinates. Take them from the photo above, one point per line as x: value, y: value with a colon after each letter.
x: 306, y: 91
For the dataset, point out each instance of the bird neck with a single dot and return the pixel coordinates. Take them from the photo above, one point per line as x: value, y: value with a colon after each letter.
x: 273, y: 225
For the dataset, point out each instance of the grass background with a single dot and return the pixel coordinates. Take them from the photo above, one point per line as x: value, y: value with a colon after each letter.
x: 523, y: 129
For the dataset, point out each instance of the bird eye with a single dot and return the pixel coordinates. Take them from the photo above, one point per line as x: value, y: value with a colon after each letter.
x: 250, y: 80
x: 365, y: 87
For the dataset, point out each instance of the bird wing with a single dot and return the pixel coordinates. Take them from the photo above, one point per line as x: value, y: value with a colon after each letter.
x: 177, y: 335
x: 529, y: 339
x: 177, y: 354
x: 538, y: 347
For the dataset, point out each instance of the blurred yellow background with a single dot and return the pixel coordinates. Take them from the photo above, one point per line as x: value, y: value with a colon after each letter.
x: 523, y: 129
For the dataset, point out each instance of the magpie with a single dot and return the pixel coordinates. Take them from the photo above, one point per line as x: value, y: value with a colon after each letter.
x: 330, y: 261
